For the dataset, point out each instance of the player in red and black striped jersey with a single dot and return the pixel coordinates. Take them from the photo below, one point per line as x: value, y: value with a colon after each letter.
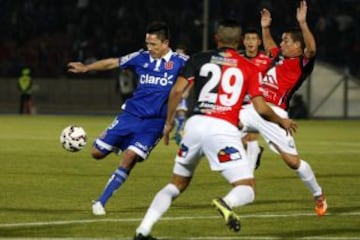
x: 220, y: 79
x: 292, y: 63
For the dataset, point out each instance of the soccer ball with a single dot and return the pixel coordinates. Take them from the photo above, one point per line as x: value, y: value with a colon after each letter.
x: 73, y: 138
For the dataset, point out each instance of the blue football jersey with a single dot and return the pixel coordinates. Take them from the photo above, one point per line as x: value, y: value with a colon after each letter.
x: 155, y: 80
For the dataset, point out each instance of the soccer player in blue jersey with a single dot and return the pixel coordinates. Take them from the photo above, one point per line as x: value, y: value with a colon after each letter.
x: 138, y: 128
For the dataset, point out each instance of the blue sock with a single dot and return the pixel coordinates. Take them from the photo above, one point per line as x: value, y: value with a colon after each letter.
x: 180, y: 120
x: 115, y: 181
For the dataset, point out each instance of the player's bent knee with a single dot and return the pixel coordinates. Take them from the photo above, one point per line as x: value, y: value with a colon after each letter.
x: 293, y: 161
x: 96, y: 154
x: 131, y: 156
x: 244, y: 182
x: 180, y: 182
x: 130, y: 159
x: 293, y: 165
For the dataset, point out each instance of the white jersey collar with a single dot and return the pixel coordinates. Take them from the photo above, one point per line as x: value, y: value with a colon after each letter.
x: 166, y: 57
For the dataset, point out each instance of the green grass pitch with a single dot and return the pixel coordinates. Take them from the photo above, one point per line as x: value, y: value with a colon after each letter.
x: 46, y: 192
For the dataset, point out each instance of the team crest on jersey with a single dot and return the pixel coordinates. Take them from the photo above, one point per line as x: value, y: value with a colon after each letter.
x: 229, y: 154
x: 183, y: 151
x: 169, y: 65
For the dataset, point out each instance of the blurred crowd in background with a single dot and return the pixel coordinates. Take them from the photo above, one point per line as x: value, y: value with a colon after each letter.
x: 44, y: 35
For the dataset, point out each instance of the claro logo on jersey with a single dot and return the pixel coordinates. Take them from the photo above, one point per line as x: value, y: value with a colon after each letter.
x: 150, y: 79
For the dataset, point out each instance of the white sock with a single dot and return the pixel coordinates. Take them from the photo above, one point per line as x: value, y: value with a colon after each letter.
x: 239, y: 196
x: 160, y: 204
x: 308, y: 177
x: 252, y: 151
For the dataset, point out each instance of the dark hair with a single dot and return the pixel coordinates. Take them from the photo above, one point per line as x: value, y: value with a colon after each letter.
x: 229, y: 31
x: 251, y: 30
x: 296, y: 35
x: 160, y: 29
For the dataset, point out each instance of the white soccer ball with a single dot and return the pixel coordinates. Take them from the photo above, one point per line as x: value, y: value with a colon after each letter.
x: 73, y: 138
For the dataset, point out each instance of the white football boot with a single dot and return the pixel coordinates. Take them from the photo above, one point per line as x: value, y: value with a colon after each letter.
x: 98, y: 209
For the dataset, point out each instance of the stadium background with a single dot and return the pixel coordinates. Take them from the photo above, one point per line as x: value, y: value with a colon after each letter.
x: 46, y: 192
x: 45, y: 35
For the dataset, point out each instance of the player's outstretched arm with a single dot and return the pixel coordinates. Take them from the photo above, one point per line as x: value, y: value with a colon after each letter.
x: 310, y: 44
x: 175, y: 96
x: 267, y: 113
x: 101, y: 65
x: 267, y: 39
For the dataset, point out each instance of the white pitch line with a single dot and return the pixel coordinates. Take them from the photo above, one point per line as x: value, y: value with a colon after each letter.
x: 67, y: 222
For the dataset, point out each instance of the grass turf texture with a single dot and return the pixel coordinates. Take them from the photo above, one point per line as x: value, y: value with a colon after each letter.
x: 46, y: 192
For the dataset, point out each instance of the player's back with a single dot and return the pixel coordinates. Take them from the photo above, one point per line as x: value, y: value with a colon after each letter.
x: 221, y: 79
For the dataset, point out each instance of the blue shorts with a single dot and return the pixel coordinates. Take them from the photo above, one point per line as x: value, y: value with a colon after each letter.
x: 130, y: 132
